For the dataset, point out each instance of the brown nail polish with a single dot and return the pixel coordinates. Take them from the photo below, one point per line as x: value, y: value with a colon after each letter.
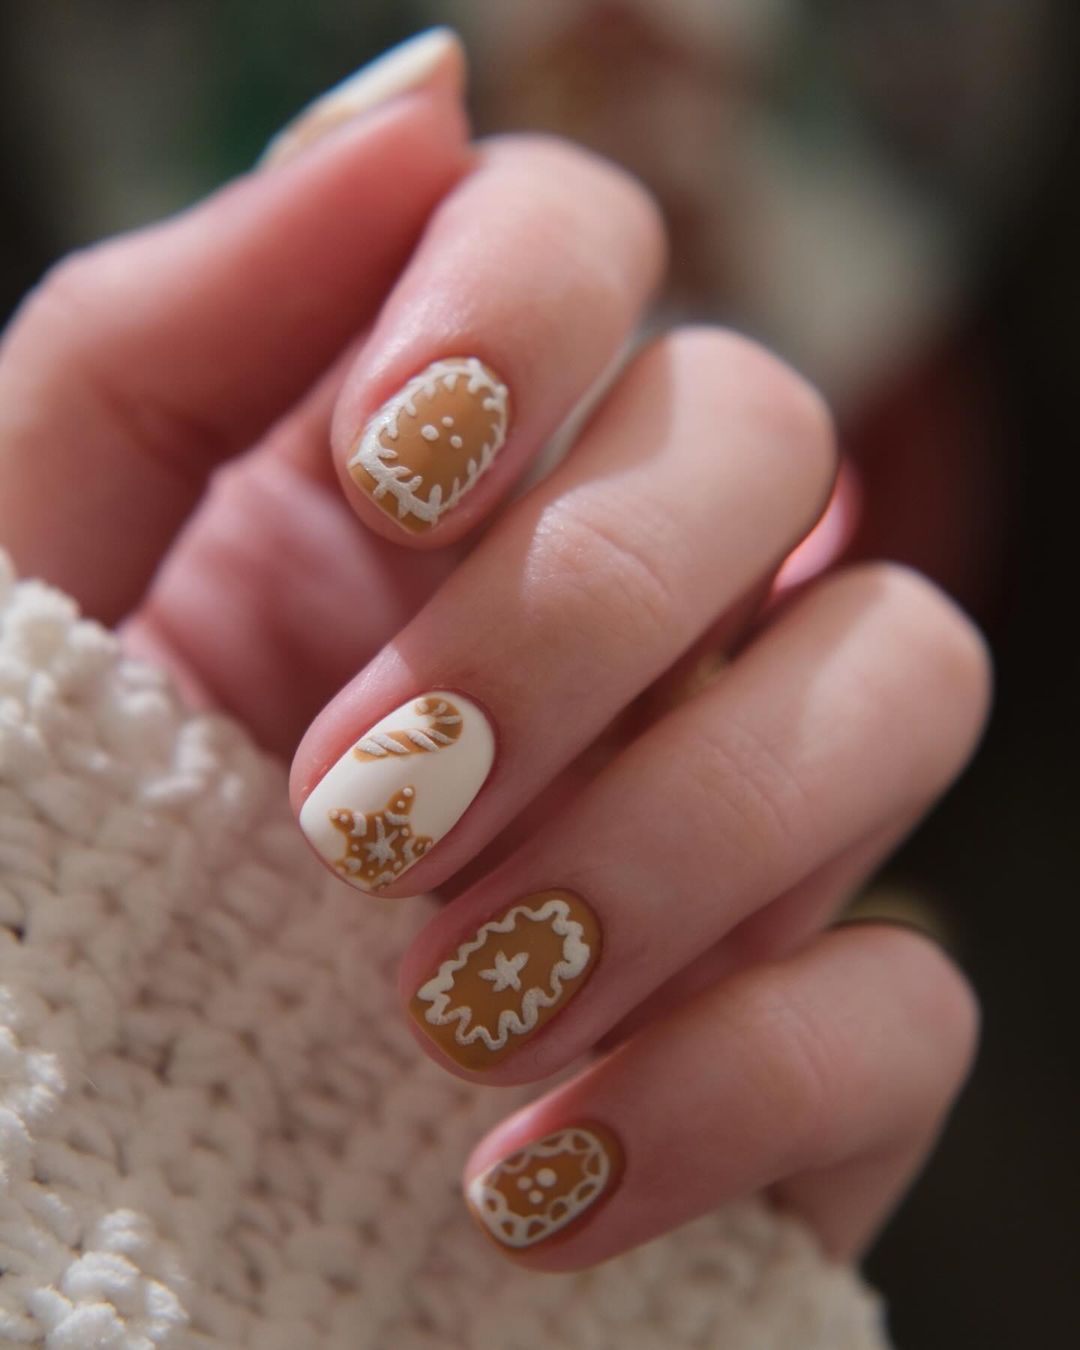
x: 505, y: 983
x: 426, y: 447
x: 547, y: 1186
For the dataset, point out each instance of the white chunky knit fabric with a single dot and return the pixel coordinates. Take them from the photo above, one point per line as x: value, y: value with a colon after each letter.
x: 215, y: 1130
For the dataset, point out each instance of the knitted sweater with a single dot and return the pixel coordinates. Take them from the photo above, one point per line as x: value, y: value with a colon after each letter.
x: 215, y: 1129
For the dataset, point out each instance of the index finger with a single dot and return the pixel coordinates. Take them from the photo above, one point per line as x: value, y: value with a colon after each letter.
x: 141, y: 363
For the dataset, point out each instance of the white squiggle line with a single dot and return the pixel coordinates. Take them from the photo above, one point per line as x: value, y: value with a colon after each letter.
x: 376, y: 458
x: 382, y: 743
x: 437, y: 990
x: 512, y: 1229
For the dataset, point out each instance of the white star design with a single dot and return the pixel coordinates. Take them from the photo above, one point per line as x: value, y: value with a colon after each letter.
x: 382, y: 848
x: 504, y: 974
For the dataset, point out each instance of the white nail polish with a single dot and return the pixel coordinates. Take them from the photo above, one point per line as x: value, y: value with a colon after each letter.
x: 408, y: 66
x: 399, y: 789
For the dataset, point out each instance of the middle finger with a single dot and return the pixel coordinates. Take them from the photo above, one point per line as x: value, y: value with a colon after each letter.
x: 703, y: 468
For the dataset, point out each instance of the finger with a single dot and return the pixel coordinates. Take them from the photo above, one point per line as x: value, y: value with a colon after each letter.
x: 141, y: 363
x: 530, y: 277
x: 250, y: 599
x: 700, y: 471
x: 847, y: 716
x: 778, y: 929
x: 845, y: 1056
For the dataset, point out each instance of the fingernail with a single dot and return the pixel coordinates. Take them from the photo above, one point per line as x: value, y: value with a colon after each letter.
x: 426, y: 447
x: 399, y: 789
x: 506, y: 982
x: 547, y: 1186
x: 411, y: 65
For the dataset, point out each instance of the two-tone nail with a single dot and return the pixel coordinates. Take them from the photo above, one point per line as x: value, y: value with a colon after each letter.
x: 506, y: 981
x: 399, y: 789
x: 546, y: 1187
x: 430, y: 443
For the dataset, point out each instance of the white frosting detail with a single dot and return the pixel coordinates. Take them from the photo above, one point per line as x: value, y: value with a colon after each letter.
x: 506, y: 973
x: 399, y: 480
x: 438, y: 990
x: 513, y: 1230
x: 379, y: 743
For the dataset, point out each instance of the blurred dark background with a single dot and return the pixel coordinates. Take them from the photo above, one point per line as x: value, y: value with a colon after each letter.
x: 884, y: 190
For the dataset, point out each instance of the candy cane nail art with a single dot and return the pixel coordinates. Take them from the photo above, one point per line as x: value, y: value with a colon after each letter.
x: 399, y: 788
x: 546, y: 1186
x: 426, y: 447
x: 509, y: 979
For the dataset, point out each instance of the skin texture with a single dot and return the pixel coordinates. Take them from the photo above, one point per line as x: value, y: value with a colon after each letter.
x: 712, y: 838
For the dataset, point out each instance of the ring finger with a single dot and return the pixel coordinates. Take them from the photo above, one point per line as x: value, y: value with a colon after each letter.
x: 845, y: 718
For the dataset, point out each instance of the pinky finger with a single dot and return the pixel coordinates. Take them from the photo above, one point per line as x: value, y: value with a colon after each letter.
x: 821, y: 1080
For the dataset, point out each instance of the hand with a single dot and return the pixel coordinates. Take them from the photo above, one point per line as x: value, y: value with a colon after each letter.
x: 638, y: 876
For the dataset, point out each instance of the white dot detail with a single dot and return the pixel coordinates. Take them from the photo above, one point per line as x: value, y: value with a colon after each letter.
x: 535, y: 1197
x: 524, y: 1183
x: 456, y: 442
x: 546, y: 1177
x: 429, y: 432
x: 448, y: 421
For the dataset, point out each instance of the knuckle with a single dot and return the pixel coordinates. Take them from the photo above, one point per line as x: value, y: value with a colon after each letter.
x: 789, y: 417
x: 74, y: 283
x: 932, y: 1020
x: 608, y: 574
x: 561, y: 159
x: 75, y: 316
x: 941, y: 1005
x: 945, y: 651
x: 585, y: 187
x: 66, y: 291
x: 739, y: 775
x: 792, y: 1066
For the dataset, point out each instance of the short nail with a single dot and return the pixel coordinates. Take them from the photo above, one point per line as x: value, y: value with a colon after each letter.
x: 409, y: 66
x: 506, y: 982
x: 428, y: 445
x: 399, y: 789
x: 547, y: 1186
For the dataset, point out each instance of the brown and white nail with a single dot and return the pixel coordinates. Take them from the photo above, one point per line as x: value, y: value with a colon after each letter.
x: 547, y: 1187
x: 428, y: 445
x: 504, y: 984
x: 399, y: 788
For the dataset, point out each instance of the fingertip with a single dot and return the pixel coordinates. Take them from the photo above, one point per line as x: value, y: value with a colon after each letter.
x: 433, y: 61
